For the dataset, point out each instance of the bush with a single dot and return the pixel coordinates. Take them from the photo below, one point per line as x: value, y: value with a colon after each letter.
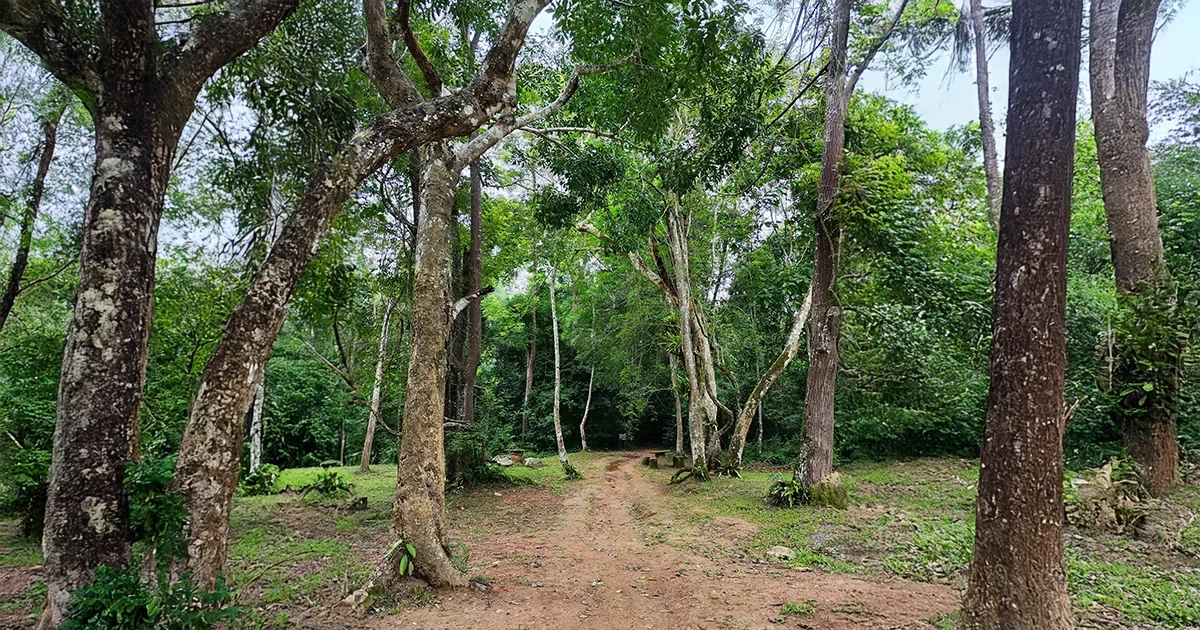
x: 789, y: 493
x: 120, y: 599
x: 156, y: 512
x: 29, y: 472
x: 329, y: 483
x: 261, y: 481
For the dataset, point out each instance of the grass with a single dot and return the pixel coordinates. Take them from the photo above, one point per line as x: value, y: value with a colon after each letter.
x: 915, y: 520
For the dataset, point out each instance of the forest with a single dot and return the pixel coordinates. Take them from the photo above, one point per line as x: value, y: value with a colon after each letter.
x: 598, y: 314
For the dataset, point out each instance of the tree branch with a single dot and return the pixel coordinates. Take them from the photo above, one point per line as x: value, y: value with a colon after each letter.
x: 382, y: 66
x: 875, y: 46
x: 636, y: 260
x: 41, y: 25
x: 433, y: 78
x: 480, y: 144
x: 465, y: 301
x: 219, y: 39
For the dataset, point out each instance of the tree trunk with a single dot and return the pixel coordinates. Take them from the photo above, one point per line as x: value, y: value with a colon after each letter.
x: 1018, y: 579
x: 140, y: 92
x: 29, y: 217
x: 737, y: 442
x: 587, y: 405
x: 816, y: 451
x: 474, y: 285
x: 420, y: 505
x: 987, y: 128
x: 530, y: 355
x: 256, y: 423
x: 678, y: 405
x: 558, y: 434
x: 1122, y: 32
x: 377, y: 390
x: 702, y: 409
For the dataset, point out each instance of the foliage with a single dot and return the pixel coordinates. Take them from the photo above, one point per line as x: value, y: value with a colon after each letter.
x: 790, y: 493
x: 265, y: 480
x: 156, y: 511
x: 572, y: 473
x: 329, y: 483
x: 403, y: 555
x: 28, y: 473
x: 119, y: 599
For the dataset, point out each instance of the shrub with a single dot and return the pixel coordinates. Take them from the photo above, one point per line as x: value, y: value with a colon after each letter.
x: 788, y: 493
x: 120, y: 599
x: 156, y: 513
x: 261, y: 481
x: 29, y: 472
x: 328, y: 483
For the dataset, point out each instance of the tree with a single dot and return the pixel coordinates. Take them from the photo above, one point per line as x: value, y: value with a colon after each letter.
x: 558, y: 434
x: 1018, y: 579
x: 377, y: 389
x: 140, y: 91
x: 987, y: 128
x: 1150, y: 336
x: 36, y: 189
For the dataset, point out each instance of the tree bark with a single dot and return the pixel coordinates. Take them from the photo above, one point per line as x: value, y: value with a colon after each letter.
x: 420, y: 505
x: 702, y: 408
x: 29, y: 217
x: 987, y: 128
x: 558, y: 434
x: 737, y: 442
x: 1122, y: 32
x: 140, y: 93
x: 587, y: 405
x: 377, y: 390
x: 207, y: 468
x: 530, y: 355
x: 474, y: 285
x: 816, y: 450
x: 678, y: 405
x: 1018, y: 578
x: 256, y: 423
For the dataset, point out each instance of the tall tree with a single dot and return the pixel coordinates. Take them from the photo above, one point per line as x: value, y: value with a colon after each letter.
x: 987, y: 128
x: 376, y: 410
x: 558, y: 434
x: 474, y: 286
x: 1018, y: 579
x: 32, y: 205
x: 825, y: 324
x: 140, y: 90
x: 207, y: 468
x: 1146, y: 374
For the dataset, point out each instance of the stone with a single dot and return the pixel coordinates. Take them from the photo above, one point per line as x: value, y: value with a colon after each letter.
x: 781, y: 553
x: 330, y: 463
x: 503, y: 460
x: 533, y: 462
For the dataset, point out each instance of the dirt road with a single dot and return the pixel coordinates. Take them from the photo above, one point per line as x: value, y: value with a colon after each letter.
x: 595, y: 568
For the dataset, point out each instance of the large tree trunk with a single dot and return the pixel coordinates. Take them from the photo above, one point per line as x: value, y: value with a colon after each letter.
x: 141, y: 95
x: 678, y: 404
x: 377, y: 390
x: 737, y: 442
x: 558, y: 434
x: 29, y: 217
x: 474, y: 285
x: 420, y: 505
x: 1121, y: 35
x: 1018, y: 579
x: 816, y: 451
x: 987, y: 128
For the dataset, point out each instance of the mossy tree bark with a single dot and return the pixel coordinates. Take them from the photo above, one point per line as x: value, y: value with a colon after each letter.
x: 1149, y: 347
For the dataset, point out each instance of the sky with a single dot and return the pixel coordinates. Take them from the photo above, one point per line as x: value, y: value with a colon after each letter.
x: 947, y: 101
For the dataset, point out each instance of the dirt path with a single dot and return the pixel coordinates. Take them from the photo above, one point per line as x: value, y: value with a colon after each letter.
x: 595, y: 570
